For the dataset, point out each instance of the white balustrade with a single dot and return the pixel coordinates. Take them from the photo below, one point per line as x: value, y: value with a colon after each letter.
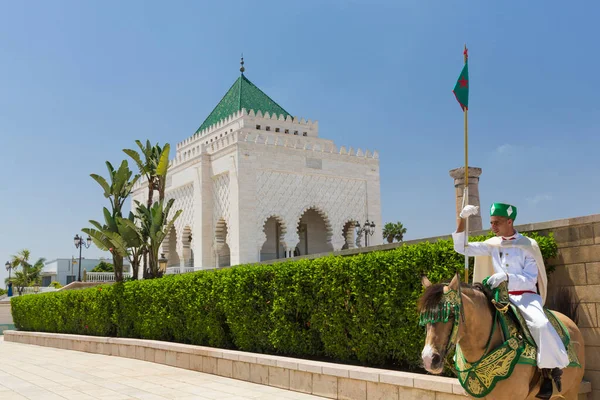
x: 173, y: 270
x: 104, y: 276
x: 31, y: 289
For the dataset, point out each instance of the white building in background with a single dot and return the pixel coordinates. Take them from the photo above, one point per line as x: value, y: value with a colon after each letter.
x: 256, y: 183
x: 66, y: 270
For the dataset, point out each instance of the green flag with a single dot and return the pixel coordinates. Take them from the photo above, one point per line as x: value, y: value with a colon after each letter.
x: 461, y: 89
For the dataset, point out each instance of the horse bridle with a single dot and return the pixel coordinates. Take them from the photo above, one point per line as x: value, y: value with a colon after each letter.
x: 448, y: 308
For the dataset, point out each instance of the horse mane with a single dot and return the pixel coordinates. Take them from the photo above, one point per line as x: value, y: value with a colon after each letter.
x: 432, y: 296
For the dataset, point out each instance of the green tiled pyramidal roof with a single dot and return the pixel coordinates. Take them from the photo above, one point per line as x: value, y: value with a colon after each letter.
x: 242, y: 94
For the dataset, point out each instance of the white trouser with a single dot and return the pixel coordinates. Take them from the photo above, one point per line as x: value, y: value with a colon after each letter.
x: 551, y: 350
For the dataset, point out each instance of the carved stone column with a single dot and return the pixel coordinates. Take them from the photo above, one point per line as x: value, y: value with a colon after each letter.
x: 459, y: 183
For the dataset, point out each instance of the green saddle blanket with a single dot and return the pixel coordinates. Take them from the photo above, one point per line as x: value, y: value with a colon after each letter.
x: 479, y: 378
x: 513, y: 325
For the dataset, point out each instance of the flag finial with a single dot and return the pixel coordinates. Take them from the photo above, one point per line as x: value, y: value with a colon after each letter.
x: 466, y: 53
x: 242, y: 69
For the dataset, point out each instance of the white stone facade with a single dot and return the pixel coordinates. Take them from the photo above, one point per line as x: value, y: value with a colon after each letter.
x: 255, y: 187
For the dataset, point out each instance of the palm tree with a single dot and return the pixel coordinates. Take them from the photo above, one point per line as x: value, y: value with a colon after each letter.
x: 394, y: 231
x: 122, y: 238
x: 105, y: 236
x: 28, y: 274
x: 155, y: 225
x: 154, y: 168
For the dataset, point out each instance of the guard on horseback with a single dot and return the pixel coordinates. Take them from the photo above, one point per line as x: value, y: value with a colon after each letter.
x: 513, y: 258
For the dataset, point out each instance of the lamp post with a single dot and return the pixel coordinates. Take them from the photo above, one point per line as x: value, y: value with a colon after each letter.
x: 9, y: 269
x: 79, y: 243
x: 368, y: 229
x: 162, y: 263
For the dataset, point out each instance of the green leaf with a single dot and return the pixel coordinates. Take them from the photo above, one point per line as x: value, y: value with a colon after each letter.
x: 99, y: 239
x: 102, y: 182
x: 163, y: 164
x: 136, y: 157
x: 110, y: 221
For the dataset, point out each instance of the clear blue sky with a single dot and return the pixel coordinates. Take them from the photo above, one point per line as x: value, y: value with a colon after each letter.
x: 80, y: 81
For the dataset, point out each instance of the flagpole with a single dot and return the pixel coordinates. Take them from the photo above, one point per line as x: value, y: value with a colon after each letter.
x: 466, y: 189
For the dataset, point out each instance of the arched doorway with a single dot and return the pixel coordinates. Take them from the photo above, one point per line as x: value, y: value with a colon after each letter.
x: 171, y: 248
x: 272, y: 248
x: 349, y: 233
x: 314, y: 232
x: 222, y: 253
x: 188, y: 255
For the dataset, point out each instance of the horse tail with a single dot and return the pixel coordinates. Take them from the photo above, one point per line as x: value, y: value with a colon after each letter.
x: 563, y: 300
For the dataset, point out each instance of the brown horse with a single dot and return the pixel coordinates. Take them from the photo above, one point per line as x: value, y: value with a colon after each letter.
x: 474, y: 330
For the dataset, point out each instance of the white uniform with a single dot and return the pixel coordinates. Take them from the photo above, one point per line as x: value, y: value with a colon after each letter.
x: 522, y: 273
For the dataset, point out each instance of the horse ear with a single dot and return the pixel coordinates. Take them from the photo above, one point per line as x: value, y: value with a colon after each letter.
x: 425, y: 281
x: 454, y: 282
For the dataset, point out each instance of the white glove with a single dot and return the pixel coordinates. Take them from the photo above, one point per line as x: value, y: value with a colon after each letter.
x: 468, y: 211
x: 497, y: 279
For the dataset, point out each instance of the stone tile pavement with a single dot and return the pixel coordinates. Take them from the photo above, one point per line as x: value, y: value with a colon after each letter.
x: 36, y: 372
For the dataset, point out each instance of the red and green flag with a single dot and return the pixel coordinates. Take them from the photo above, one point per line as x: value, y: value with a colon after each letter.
x: 461, y: 89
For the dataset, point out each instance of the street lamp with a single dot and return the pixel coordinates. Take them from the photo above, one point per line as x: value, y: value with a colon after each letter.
x: 162, y: 263
x: 79, y: 243
x: 368, y: 229
x: 8, y: 268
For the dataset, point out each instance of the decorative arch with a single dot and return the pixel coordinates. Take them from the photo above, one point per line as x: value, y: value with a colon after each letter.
x: 314, y: 232
x: 321, y: 213
x: 348, y: 230
x: 186, y: 247
x: 221, y: 232
x: 221, y: 247
x: 170, y: 247
x: 262, y: 236
x: 271, y: 239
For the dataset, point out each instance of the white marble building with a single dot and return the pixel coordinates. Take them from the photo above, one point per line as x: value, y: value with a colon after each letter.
x: 256, y: 183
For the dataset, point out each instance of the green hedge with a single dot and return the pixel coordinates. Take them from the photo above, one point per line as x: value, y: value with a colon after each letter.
x: 359, y: 309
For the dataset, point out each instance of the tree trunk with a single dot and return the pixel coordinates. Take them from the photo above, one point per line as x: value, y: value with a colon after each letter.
x: 118, y: 264
x: 153, y: 265
x: 150, y: 192
x: 145, y: 271
x: 135, y: 265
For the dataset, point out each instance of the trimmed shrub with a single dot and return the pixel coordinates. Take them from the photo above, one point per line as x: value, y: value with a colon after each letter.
x: 358, y: 309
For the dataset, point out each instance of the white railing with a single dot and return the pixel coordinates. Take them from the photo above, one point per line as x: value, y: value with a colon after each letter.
x: 31, y: 290
x: 103, y: 276
x: 173, y: 270
x: 177, y: 270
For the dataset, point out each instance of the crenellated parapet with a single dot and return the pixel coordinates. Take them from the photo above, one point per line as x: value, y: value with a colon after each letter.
x: 190, y: 150
x: 253, y: 120
x: 303, y: 143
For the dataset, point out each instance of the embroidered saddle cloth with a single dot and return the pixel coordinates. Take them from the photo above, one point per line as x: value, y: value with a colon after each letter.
x: 479, y: 378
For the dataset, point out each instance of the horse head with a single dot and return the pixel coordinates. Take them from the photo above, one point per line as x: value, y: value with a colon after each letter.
x: 439, y: 309
x: 445, y: 310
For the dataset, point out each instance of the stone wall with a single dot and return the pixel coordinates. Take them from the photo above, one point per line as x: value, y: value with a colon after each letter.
x: 578, y: 268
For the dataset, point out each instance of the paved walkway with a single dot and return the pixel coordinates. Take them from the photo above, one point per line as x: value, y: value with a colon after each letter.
x: 45, y: 373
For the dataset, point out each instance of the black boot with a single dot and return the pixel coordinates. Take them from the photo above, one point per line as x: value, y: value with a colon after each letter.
x: 546, y: 386
x: 556, y: 375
